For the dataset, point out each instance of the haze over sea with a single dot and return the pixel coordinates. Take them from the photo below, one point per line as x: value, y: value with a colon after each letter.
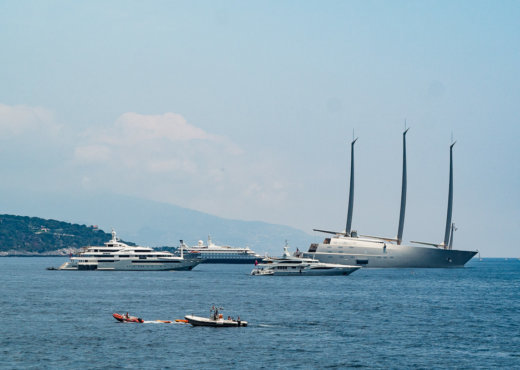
x: 391, y: 318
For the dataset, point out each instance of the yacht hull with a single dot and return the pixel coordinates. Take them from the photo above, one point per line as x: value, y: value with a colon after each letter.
x: 219, y: 323
x: 390, y: 256
x: 318, y: 272
x: 307, y: 271
x: 185, y: 265
x: 245, y: 261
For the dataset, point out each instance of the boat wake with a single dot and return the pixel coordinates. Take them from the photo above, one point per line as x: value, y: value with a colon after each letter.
x: 163, y: 322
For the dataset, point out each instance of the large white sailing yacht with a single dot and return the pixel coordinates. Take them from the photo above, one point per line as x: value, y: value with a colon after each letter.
x: 349, y: 248
x: 118, y: 256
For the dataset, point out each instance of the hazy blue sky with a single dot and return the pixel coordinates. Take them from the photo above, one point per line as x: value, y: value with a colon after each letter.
x: 246, y: 109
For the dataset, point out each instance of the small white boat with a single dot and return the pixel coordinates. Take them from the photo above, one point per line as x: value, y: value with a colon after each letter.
x: 216, y: 319
x: 295, y: 265
x: 262, y: 271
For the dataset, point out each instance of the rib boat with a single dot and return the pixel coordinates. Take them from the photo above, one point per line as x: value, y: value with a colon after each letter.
x: 347, y: 247
x: 215, y: 319
x: 126, y: 318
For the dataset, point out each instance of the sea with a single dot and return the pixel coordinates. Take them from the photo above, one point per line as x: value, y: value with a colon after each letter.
x: 374, y: 318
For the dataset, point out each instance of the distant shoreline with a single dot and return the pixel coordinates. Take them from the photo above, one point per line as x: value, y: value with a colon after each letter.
x: 63, y: 255
x: 34, y: 255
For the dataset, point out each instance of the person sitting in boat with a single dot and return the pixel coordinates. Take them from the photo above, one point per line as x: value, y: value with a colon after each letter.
x: 126, y: 316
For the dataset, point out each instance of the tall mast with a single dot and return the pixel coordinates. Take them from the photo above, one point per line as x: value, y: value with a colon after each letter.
x: 351, y: 190
x: 403, y: 193
x: 453, y: 228
x: 450, y: 201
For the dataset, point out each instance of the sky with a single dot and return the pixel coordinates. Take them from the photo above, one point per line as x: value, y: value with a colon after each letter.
x: 246, y: 110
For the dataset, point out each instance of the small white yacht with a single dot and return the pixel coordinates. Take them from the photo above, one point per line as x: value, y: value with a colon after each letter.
x: 296, y: 265
x: 118, y: 256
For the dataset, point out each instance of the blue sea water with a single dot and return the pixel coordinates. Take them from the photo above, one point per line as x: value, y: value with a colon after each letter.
x: 375, y: 318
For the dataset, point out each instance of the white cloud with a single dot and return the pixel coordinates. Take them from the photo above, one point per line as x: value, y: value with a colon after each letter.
x: 153, y: 143
x: 92, y: 153
x: 21, y: 119
x: 173, y: 127
x: 159, y: 157
x: 170, y: 165
x: 165, y: 158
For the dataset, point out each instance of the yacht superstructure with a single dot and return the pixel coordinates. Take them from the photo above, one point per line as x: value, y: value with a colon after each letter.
x: 350, y: 248
x: 212, y: 253
x: 118, y: 256
x: 296, y: 265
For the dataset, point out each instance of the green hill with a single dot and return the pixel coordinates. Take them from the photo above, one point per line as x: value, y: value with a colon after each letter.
x: 21, y: 235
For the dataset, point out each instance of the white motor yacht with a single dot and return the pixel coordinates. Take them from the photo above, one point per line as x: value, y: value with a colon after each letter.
x: 118, y: 256
x: 296, y: 265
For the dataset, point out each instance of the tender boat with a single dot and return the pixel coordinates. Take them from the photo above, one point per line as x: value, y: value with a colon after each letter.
x: 216, y: 319
x: 296, y: 265
x: 118, y: 256
x: 262, y: 271
x: 127, y: 318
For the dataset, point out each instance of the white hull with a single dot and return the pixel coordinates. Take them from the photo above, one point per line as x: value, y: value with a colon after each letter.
x: 294, y: 265
x: 352, y: 251
x: 132, y: 266
x: 203, y: 321
x: 118, y: 256
x: 318, y: 272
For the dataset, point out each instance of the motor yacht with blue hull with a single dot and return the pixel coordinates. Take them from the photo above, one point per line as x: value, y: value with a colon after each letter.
x: 118, y: 256
x: 348, y: 247
x: 212, y: 253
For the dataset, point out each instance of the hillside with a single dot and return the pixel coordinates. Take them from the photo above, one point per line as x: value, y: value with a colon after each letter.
x: 20, y: 235
x: 157, y: 224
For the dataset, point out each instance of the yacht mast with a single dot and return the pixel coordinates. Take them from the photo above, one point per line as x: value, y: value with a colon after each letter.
x: 450, y: 201
x: 351, y: 190
x: 403, y: 193
x: 453, y: 228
